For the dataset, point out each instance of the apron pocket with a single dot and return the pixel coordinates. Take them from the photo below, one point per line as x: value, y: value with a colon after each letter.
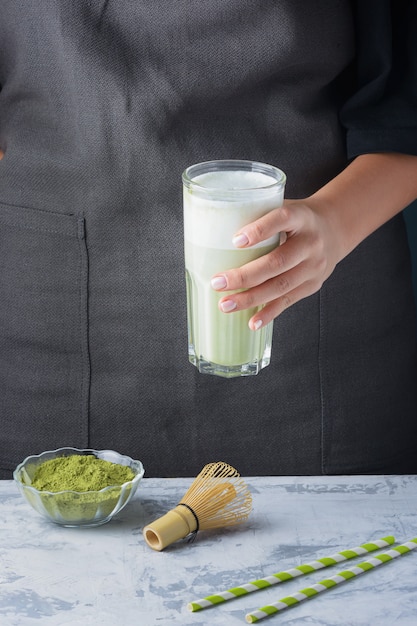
x: 44, y: 360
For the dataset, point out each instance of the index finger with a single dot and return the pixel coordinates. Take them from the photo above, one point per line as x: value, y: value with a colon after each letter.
x: 278, y: 220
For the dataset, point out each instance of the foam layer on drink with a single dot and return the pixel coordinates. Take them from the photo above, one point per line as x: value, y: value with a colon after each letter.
x: 234, y: 179
x: 218, y: 204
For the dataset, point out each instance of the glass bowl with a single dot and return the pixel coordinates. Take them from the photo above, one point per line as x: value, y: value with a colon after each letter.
x: 77, y: 508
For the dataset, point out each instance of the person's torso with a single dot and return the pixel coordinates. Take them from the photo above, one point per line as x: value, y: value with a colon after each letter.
x: 103, y: 104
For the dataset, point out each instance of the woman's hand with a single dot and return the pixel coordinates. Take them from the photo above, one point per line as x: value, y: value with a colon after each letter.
x: 320, y: 231
x: 295, y: 269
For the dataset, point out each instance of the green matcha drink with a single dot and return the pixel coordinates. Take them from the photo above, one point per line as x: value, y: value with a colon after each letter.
x: 220, y: 197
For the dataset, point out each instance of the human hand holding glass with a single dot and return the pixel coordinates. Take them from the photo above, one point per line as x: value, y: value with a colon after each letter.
x: 290, y: 272
x: 319, y: 232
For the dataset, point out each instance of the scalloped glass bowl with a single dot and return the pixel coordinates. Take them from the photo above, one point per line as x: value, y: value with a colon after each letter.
x: 78, y: 508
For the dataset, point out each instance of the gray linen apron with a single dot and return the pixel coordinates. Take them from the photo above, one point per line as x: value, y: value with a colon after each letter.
x: 103, y: 104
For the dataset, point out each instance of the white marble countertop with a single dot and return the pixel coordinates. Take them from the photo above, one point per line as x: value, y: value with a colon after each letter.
x: 108, y: 576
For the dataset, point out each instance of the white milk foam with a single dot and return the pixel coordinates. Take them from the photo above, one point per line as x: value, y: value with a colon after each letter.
x: 237, y: 179
x: 211, y: 222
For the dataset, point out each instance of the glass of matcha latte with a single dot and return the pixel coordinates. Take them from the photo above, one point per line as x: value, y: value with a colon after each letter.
x: 220, y: 197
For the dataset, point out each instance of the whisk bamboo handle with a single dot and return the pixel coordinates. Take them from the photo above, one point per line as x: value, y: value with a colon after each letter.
x: 174, y: 525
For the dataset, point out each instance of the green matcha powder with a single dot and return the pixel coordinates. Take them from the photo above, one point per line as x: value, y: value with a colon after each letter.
x: 80, y: 473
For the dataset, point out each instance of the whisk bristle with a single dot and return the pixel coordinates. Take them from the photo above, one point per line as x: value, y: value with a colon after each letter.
x: 219, y: 496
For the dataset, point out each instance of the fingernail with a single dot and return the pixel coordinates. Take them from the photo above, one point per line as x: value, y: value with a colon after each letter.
x: 218, y: 282
x: 256, y: 325
x: 227, y: 306
x: 240, y: 240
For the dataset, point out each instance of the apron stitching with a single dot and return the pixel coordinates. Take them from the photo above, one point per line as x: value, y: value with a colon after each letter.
x: 84, y: 337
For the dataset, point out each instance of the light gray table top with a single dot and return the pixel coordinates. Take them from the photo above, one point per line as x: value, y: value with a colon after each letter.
x: 108, y: 576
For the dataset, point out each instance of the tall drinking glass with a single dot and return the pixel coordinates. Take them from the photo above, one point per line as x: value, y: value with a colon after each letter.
x: 220, y: 197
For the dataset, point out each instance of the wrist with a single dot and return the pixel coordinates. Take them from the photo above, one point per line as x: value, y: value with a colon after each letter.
x: 369, y: 192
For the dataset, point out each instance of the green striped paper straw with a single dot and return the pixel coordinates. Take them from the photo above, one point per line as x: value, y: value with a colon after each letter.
x: 328, y: 583
x: 289, y: 574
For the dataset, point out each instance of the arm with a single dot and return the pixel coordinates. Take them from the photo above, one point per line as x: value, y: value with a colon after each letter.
x: 321, y: 230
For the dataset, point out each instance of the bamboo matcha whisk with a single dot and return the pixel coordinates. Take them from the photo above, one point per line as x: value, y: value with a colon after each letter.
x: 218, y: 497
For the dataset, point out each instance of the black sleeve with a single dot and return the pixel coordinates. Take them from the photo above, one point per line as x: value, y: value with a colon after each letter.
x: 381, y: 116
